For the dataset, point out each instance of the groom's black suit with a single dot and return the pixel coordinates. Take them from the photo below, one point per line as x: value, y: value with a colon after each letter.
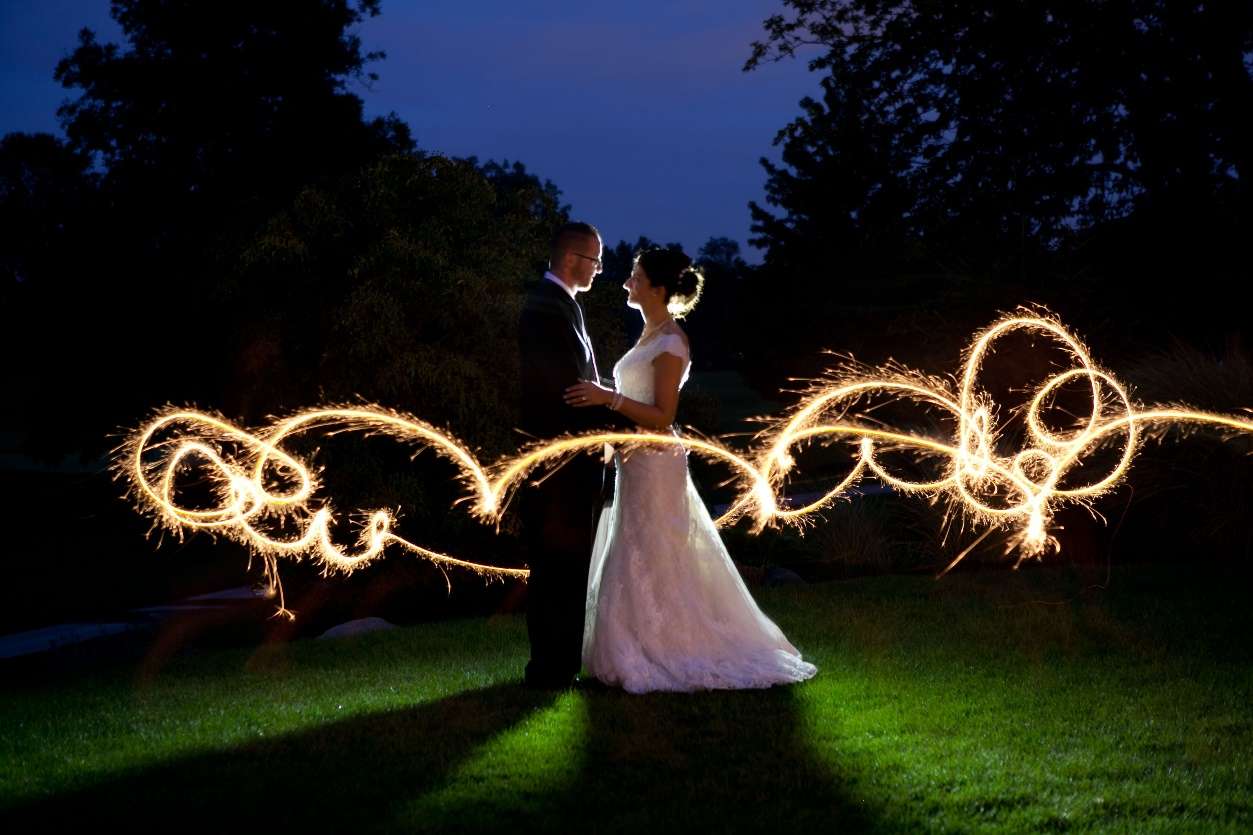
x: 559, y: 515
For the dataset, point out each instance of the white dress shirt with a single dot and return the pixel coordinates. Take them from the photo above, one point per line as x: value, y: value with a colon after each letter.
x: 560, y: 283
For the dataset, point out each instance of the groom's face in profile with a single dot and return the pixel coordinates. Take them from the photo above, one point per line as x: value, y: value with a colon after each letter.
x: 582, y: 263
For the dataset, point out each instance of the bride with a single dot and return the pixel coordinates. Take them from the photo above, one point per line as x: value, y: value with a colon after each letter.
x: 666, y: 607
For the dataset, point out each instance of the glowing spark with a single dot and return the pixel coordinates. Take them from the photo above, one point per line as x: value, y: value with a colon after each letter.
x: 1018, y: 492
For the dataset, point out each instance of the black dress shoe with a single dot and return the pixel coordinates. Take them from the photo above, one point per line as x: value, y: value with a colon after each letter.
x: 547, y: 682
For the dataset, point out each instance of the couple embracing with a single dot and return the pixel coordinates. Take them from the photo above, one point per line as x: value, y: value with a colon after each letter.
x: 643, y: 595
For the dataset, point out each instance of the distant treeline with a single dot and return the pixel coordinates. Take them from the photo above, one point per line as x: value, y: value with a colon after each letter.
x: 965, y: 157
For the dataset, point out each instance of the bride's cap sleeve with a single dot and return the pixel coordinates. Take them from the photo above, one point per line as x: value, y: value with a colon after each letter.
x: 672, y: 343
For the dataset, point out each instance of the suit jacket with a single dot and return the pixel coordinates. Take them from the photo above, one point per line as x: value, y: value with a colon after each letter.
x: 556, y: 353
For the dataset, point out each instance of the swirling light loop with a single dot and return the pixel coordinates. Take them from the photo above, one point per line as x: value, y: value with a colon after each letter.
x: 1017, y: 492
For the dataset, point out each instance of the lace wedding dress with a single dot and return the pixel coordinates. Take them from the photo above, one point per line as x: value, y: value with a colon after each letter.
x: 666, y: 607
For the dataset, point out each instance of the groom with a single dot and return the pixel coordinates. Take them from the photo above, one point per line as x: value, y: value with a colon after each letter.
x: 559, y: 515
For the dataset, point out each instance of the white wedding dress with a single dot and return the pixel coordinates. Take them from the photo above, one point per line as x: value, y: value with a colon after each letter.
x: 666, y: 607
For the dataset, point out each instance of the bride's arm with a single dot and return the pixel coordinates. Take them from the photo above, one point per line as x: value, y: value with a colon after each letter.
x: 667, y: 374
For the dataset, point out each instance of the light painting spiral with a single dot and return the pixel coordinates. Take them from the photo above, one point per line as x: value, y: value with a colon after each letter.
x: 260, y: 488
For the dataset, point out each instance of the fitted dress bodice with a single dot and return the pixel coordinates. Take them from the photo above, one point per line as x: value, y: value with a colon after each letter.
x: 633, y: 375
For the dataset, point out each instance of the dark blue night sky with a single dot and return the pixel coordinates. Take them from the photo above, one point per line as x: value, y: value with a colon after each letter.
x: 637, y: 111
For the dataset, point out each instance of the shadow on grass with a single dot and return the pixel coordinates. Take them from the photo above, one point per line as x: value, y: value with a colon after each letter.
x: 656, y: 763
x: 337, y: 777
x: 711, y: 761
x: 721, y: 760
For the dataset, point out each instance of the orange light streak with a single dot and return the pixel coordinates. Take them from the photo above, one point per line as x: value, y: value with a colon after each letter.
x: 1017, y: 492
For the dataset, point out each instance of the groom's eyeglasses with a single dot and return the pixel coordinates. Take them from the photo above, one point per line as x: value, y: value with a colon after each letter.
x: 598, y: 262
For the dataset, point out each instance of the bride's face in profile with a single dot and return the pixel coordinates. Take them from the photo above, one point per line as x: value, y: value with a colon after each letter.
x: 639, y: 289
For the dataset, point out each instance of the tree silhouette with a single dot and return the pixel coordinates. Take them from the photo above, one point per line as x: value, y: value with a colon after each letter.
x: 45, y: 193
x: 721, y: 327
x: 1020, y: 142
x: 224, y: 106
x: 182, y: 141
x: 1037, y: 119
x: 401, y: 284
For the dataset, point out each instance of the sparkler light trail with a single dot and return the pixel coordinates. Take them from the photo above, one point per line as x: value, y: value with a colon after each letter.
x: 261, y: 490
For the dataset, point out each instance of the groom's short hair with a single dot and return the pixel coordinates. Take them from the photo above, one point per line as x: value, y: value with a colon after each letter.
x: 569, y: 236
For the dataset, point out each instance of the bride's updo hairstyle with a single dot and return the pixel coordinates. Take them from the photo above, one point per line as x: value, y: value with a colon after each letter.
x: 671, y: 269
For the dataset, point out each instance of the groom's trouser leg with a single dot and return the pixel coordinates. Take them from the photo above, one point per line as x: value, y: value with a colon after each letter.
x: 539, y: 588
x: 573, y: 602
x: 557, y: 524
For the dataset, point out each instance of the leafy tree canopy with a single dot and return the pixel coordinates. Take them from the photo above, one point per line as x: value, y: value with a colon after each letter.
x: 401, y: 284
x: 969, y: 157
x: 230, y: 103
x: 986, y: 128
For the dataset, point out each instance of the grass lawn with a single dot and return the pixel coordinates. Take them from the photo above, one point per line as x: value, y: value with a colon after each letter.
x: 981, y: 702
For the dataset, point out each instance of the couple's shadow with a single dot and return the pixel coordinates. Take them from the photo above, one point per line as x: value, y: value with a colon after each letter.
x: 670, y: 762
x: 694, y: 762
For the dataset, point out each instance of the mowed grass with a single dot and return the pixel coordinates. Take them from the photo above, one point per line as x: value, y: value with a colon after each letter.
x: 1004, y: 701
